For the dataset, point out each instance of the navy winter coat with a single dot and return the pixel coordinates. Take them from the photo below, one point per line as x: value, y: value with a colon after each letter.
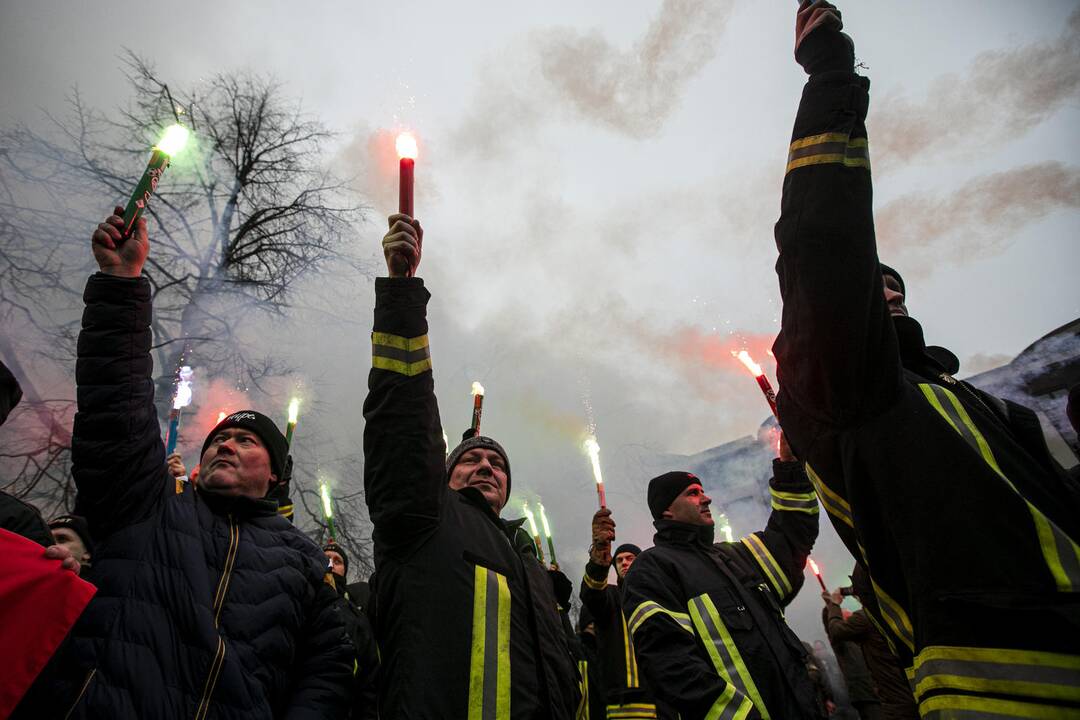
x: 207, y: 606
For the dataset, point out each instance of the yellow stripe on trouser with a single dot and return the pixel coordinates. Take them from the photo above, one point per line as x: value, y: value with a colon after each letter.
x: 1059, y: 551
x: 1023, y: 673
x: 405, y: 356
x: 631, y: 711
x: 583, y: 704
x: 628, y: 651
x: 728, y: 662
x: 895, y: 617
x: 777, y: 578
x: 835, y: 505
x: 829, y: 148
x: 489, y: 667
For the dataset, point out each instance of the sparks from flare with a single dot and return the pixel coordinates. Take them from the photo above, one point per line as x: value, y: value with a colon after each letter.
x: 221, y: 416
x: 324, y: 492
x: 477, y: 389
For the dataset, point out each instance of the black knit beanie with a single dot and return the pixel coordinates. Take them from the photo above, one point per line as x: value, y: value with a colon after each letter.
x: 886, y: 270
x: 471, y: 443
x: 629, y: 547
x: 262, y: 426
x: 663, y: 490
x: 78, y: 525
x: 334, y: 547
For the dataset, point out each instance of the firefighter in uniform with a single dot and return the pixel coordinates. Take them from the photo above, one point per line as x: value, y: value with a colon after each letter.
x: 966, y: 524
x: 466, y: 622
x: 628, y: 696
x: 707, y: 618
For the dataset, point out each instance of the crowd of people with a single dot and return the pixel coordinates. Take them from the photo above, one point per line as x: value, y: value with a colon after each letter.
x: 165, y: 594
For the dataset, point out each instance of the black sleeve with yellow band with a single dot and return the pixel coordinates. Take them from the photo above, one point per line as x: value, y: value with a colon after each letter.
x: 404, y: 474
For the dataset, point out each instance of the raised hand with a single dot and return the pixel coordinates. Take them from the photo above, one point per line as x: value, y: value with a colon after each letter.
x: 115, y: 255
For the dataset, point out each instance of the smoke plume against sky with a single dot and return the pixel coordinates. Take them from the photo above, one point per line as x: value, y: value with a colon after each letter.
x: 598, y: 185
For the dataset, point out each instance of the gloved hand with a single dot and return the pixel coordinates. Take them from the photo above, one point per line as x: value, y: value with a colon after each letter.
x: 603, y: 534
x: 819, y: 44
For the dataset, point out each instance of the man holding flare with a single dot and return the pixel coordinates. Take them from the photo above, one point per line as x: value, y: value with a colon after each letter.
x: 969, y: 529
x: 466, y: 619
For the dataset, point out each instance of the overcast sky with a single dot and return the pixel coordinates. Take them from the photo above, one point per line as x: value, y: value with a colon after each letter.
x: 598, y: 183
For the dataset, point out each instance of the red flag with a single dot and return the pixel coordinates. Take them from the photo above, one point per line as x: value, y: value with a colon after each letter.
x: 39, y: 602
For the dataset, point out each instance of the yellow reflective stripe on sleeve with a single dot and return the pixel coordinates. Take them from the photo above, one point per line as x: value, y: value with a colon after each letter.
x: 647, y: 609
x: 725, y: 655
x: 628, y: 652
x: 895, y: 617
x: 489, y: 666
x: 794, y: 502
x: 405, y: 356
x: 1059, y: 551
x: 595, y: 584
x: 829, y: 148
x: 973, y: 707
x: 1024, y: 673
x: 835, y: 505
x: 776, y: 576
x: 631, y: 711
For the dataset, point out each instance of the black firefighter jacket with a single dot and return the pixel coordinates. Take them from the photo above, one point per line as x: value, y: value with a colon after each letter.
x: 707, y: 619
x: 466, y: 619
x: 207, y: 607
x: 627, y: 692
x: 970, y: 535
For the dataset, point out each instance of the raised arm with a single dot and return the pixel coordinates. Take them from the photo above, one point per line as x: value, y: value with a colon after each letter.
x: 595, y: 594
x: 118, y: 459
x: 665, y: 643
x: 836, y: 352
x: 404, y: 471
x: 779, y: 551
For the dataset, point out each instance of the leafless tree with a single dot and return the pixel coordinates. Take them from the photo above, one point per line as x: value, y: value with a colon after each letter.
x: 247, y: 210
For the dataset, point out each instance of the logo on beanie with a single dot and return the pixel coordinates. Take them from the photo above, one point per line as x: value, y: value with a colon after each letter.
x: 237, y: 417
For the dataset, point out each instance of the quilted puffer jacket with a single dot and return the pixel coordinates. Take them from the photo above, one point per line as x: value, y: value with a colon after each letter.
x: 208, y: 606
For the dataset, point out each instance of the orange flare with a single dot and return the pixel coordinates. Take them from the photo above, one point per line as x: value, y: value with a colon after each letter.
x: 745, y: 359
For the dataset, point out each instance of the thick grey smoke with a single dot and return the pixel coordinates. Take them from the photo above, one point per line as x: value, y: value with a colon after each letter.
x: 1003, y: 94
x: 560, y: 71
x: 980, y: 219
x: 634, y: 91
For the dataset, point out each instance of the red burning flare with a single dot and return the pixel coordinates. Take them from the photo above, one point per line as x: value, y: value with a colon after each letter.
x: 817, y: 573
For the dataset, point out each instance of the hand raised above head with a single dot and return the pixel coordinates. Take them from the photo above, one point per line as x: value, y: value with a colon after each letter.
x: 403, y: 245
x: 116, y: 255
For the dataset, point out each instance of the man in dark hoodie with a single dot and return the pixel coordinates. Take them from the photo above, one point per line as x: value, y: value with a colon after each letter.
x: 969, y: 529
x: 628, y: 694
x: 707, y: 618
x: 209, y: 604
x: 466, y: 620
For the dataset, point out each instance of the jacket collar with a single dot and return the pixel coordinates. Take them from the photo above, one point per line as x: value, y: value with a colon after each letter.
x: 510, y: 528
x: 240, y: 505
x: 930, y: 361
x: 672, y: 532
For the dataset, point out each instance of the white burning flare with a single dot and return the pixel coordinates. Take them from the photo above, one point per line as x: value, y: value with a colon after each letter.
x: 745, y: 359
x: 531, y: 519
x: 477, y: 389
x: 544, y: 522
x: 324, y: 491
x: 183, y: 388
x: 406, y: 146
x: 294, y: 410
x: 592, y: 448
